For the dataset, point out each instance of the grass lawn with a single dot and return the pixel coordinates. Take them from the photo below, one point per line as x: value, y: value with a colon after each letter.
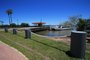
x: 39, y: 48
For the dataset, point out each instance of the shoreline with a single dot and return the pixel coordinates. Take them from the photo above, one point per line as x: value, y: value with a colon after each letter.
x: 64, y: 39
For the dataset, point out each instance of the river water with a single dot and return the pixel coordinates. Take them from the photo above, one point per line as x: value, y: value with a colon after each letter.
x: 55, y: 33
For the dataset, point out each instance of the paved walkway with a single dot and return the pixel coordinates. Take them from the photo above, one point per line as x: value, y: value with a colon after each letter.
x: 9, y: 53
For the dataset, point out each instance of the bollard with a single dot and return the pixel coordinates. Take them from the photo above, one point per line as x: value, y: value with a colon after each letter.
x: 6, y: 29
x: 14, y: 31
x: 27, y: 33
x: 78, y: 44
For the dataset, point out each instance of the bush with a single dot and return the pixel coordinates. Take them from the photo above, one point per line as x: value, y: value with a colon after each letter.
x: 13, y: 25
x: 88, y: 24
x: 81, y: 26
x: 24, y: 25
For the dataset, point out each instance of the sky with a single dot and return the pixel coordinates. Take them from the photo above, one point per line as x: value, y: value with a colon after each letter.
x: 53, y: 12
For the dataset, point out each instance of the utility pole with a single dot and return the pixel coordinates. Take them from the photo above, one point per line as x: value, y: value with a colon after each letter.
x: 17, y: 22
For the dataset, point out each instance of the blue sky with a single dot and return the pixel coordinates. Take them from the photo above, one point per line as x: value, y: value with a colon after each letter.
x: 50, y: 11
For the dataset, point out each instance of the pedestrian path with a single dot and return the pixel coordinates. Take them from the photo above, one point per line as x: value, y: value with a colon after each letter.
x: 9, y: 53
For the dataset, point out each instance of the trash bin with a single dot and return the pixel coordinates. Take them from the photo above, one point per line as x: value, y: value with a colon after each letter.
x: 78, y: 44
x: 6, y: 29
x: 27, y: 33
x: 14, y: 31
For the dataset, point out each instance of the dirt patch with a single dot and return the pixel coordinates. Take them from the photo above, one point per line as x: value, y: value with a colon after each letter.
x: 63, y: 39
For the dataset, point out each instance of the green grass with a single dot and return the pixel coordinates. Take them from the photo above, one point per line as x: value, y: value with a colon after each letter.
x: 39, y: 48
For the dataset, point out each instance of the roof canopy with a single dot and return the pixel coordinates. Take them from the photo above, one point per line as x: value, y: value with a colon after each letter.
x: 39, y: 23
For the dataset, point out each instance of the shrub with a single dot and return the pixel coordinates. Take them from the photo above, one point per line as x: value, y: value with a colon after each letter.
x: 24, y: 25
x: 13, y: 25
x: 81, y: 26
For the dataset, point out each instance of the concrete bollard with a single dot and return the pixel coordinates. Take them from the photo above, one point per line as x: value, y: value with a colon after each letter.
x: 27, y: 33
x: 78, y: 44
x: 14, y: 31
x: 6, y: 29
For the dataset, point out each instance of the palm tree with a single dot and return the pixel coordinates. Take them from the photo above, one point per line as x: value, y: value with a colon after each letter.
x: 9, y: 12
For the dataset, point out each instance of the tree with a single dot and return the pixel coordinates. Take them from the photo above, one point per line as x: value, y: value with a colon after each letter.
x: 81, y: 26
x: 13, y: 25
x: 67, y: 24
x: 73, y: 20
x: 24, y: 25
x: 9, y: 13
x: 88, y: 24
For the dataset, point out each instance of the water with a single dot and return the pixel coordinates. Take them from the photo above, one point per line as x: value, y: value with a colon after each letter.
x: 55, y: 33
